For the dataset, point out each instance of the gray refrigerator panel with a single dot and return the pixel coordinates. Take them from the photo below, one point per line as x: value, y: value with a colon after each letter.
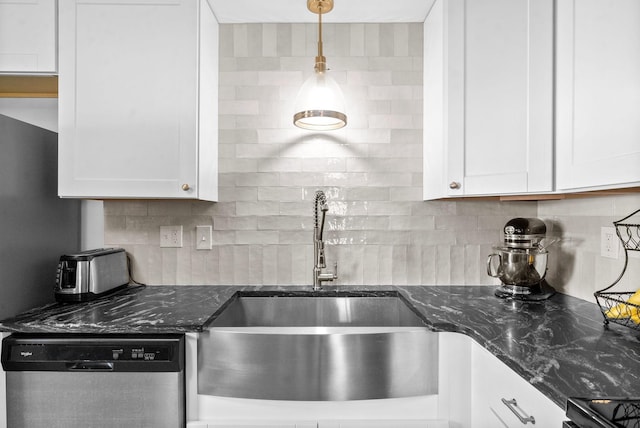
x: 36, y: 226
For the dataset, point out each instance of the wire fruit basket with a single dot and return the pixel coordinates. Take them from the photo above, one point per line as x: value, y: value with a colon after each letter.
x: 623, y: 307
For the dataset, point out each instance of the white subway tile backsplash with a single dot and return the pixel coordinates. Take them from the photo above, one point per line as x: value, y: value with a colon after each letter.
x: 279, y: 165
x: 459, y: 223
x: 255, y: 179
x: 284, y: 274
x: 270, y: 265
x: 279, y: 193
x: 299, y: 208
x: 298, y: 40
x: 400, y: 39
x: 624, y: 205
x: 237, y: 223
x: 263, y: 208
x: 357, y: 40
x: 365, y: 78
x: 324, y: 165
x: 238, y: 165
x: 457, y: 263
x: 443, y: 265
x: 239, y: 107
x: 240, y: 41
x: 277, y: 78
x: 393, y: 64
x: 237, y: 78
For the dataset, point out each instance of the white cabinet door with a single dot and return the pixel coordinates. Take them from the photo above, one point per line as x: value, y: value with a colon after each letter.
x: 598, y: 94
x: 135, y: 79
x: 488, y: 97
x: 492, y: 381
x: 27, y: 36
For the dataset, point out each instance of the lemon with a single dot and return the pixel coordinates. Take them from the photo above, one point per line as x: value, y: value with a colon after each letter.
x: 622, y: 310
x: 635, y: 298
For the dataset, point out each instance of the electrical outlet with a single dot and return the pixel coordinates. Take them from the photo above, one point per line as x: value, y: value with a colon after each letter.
x: 609, y: 244
x: 203, y: 238
x: 171, y: 236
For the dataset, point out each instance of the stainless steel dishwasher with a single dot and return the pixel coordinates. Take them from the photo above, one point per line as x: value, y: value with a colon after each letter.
x: 94, y: 381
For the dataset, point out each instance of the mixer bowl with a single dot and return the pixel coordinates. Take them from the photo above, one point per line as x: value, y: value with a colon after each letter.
x: 522, y: 267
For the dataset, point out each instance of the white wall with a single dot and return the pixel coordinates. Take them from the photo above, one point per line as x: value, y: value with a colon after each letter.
x: 41, y: 112
x: 575, y: 264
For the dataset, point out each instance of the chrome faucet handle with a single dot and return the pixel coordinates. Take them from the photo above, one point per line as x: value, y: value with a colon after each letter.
x: 327, y: 276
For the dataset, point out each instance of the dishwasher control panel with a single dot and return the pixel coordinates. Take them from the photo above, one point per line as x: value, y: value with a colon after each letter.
x: 75, y: 352
x: 91, y: 352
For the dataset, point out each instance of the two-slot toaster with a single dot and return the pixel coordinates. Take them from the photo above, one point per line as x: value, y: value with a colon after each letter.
x: 90, y: 274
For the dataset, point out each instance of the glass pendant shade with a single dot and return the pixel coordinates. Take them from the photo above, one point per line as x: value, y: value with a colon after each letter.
x: 320, y: 104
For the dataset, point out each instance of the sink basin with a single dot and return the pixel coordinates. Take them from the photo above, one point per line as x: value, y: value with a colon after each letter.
x: 305, y: 311
x: 320, y: 347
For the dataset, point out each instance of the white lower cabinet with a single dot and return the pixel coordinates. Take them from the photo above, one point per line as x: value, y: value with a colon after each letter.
x: 493, y: 384
x: 471, y: 385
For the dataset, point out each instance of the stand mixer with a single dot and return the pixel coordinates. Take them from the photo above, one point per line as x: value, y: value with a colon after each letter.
x: 520, y: 262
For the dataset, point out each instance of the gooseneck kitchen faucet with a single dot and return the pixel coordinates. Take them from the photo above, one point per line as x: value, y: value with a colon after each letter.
x: 319, y: 276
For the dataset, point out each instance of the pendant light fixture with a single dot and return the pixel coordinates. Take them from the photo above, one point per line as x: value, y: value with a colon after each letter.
x: 320, y: 104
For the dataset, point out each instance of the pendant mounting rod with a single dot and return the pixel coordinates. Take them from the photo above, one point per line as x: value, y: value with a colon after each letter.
x: 319, y: 7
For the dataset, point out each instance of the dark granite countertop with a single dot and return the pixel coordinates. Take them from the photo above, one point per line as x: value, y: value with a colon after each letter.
x: 152, y: 309
x: 559, y: 345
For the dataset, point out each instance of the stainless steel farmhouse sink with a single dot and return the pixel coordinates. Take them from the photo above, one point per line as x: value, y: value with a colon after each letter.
x: 317, y: 347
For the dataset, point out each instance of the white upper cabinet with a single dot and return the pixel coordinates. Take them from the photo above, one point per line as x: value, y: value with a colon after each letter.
x: 28, y: 36
x: 488, y: 98
x: 598, y: 94
x: 138, y: 99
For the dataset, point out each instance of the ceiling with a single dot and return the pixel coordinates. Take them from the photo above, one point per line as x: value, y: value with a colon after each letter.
x: 344, y: 11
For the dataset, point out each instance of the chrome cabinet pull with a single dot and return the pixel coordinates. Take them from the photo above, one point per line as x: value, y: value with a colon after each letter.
x: 454, y: 185
x: 186, y: 187
x: 513, y: 406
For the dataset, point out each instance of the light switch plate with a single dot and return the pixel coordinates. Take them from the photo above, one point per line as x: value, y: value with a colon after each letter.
x: 203, y: 238
x: 171, y: 236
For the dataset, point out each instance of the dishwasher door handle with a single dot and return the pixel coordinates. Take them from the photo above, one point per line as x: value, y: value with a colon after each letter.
x: 91, y: 365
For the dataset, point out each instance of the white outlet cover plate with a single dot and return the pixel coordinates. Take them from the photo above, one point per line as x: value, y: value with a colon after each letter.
x: 171, y: 236
x: 609, y: 242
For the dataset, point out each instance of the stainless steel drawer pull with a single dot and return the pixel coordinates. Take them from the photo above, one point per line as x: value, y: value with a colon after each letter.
x: 513, y: 406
